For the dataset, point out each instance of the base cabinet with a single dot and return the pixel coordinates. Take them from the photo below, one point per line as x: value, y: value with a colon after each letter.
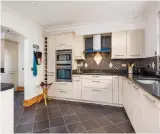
x: 141, y: 108
x: 77, y: 90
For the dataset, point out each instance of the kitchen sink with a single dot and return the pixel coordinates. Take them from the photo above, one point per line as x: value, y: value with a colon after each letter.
x: 148, y: 81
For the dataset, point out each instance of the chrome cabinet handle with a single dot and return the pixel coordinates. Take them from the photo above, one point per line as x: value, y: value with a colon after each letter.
x: 95, y: 81
x: 119, y: 55
x: 153, y: 101
x: 76, y: 80
x: 95, y: 76
x: 95, y: 90
x: 63, y: 92
x: 135, y: 55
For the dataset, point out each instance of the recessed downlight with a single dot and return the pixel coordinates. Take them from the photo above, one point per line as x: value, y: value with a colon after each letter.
x: 49, y: 16
x: 34, y: 2
x: 125, y: 2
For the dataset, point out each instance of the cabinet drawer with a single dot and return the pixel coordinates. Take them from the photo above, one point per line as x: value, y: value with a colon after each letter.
x: 102, y: 84
x: 76, y: 77
x: 63, y: 93
x: 97, y: 95
x: 64, y: 85
x: 97, y: 77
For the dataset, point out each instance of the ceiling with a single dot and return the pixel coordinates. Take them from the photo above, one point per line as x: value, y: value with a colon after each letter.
x: 55, y: 14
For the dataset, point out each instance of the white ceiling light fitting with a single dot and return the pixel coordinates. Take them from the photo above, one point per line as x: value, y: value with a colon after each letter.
x: 125, y: 2
x: 49, y: 16
x: 34, y: 2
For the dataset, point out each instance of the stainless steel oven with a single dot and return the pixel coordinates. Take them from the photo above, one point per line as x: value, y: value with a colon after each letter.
x: 64, y: 56
x: 64, y: 65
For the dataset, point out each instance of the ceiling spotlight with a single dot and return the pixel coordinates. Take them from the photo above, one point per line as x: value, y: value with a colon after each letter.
x: 34, y: 2
x: 49, y: 16
x: 125, y: 2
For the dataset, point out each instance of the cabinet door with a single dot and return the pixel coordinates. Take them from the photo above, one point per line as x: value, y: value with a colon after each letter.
x: 79, y: 47
x: 119, y: 45
x: 151, y: 116
x: 77, y: 88
x: 51, y: 79
x: 135, y: 39
x: 120, y: 101
x: 64, y: 41
x: 115, y: 90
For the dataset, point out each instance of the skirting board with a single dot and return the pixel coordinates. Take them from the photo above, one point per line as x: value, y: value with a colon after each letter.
x: 20, y: 89
x: 32, y: 101
x: 85, y: 101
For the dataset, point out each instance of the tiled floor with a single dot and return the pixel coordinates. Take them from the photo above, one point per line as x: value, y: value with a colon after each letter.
x: 69, y: 117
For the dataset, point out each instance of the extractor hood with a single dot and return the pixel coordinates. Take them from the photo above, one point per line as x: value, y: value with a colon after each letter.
x: 100, y: 44
x: 97, y: 42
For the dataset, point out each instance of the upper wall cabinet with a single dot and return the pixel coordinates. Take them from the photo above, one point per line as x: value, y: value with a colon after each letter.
x: 119, y: 48
x: 79, y: 47
x: 64, y: 41
x: 127, y: 44
x: 135, y: 41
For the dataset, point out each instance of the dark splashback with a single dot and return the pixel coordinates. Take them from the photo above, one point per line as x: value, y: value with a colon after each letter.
x: 107, y: 63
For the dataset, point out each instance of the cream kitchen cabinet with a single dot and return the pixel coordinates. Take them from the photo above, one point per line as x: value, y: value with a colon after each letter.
x: 79, y: 47
x: 151, y: 114
x: 119, y: 45
x: 77, y: 89
x: 97, y: 95
x: 115, y: 90
x: 51, y: 54
x: 135, y: 41
x: 51, y: 79
x: 64, y: 41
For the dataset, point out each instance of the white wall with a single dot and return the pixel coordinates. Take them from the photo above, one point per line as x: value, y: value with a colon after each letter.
x: 151, y: 32
x: 99, y: 27
x: 33, y: 34
x: 21, y: 62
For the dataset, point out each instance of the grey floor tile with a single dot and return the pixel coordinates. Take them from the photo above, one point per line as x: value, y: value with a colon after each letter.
x: 27, y: 113
x: 40, y: 105
x: 55, y: 114
x: 113, y: 129
x: 53, y: 108
x: 15, y: 121
x: 79, y: 110
x: 67, y: 112
x: 76, y: 128
x: 98, y: 130
x: 90, y: 124
x: 118, y: 117
x: 71, y: 119
x: 27, y: 128
x: 103, y: 121
x: 126, y: 127
x: 46, y: 131
x: 41, y: 125
x: 56, y: 122
x: 59, y: 129
x: 41, y: 111
x: 40, y: 117
x: 95, y: 113
x: 53, y: 102
x: 84, y: 116
x: 17, y: 112
x: 106, y: 111
x: 25, y: 120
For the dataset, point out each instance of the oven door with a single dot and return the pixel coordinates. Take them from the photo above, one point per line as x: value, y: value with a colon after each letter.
x: 63, y: 57
x: 64, y: 74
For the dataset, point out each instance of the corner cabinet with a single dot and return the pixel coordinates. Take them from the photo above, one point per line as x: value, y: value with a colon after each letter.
x: 119, y: 45
x: 128, y: 44
x: 79, y: 47
x: 135, y: 39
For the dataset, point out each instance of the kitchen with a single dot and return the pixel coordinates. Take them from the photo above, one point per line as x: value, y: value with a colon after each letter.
x: 105, y: 76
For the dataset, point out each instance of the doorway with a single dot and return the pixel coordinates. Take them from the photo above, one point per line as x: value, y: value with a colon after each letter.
x: 12, y: 61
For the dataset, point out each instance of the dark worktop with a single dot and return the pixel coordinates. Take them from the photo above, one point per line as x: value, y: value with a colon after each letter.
x: 153, y: 89
x: 6, y: 86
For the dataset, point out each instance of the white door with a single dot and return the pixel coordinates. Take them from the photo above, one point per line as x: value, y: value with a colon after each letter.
x: 11, y: 62
x: 119, y: 47
x: 135, y: 39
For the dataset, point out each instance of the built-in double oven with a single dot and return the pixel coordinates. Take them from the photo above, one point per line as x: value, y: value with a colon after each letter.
x: 64, y: 66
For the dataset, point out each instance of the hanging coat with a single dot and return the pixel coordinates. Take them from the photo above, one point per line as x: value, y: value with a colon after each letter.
x: 34, y: 65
